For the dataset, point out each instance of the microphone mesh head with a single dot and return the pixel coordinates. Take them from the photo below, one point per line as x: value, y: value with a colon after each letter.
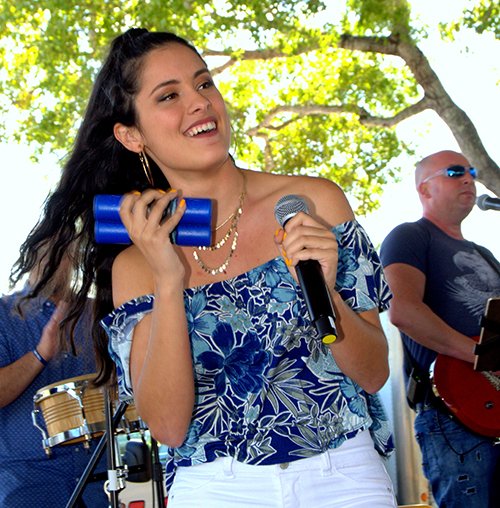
x: 481, y: 202
x: 288, y: 206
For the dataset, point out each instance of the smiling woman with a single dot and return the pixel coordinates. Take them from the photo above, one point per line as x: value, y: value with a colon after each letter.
x: 215, y: 346
x: 168, y: 135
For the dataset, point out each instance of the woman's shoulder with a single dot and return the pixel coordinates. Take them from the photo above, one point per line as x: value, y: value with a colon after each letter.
x: 132, y: 276
x: 324, y: 198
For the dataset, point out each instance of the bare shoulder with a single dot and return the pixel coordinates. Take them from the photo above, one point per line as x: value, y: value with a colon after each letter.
x: 325, y: 199
x: 131, y: 276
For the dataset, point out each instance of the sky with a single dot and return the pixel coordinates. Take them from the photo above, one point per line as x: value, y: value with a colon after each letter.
x: 470, y: 76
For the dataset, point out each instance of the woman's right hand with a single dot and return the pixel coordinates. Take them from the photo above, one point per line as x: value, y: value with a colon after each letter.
x: 141, y: 214
x: 160, y: 354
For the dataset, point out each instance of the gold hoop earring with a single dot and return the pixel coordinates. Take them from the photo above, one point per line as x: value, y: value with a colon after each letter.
x: 145, y: 166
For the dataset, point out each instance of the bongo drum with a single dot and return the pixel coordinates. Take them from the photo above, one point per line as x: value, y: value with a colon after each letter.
x: 131, y: 421
x: 73, y: 411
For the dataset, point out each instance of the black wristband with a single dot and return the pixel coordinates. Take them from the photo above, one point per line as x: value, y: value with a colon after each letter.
x: 39, y: 357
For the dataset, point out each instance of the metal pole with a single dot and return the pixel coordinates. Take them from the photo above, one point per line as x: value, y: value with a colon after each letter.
x: 157, y: 474
x: 96, y: 456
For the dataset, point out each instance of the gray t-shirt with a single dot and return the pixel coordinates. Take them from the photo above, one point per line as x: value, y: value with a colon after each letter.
x: 460, y: 277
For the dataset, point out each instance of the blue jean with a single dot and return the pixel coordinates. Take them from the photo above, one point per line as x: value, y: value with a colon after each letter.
x: 458, y: 464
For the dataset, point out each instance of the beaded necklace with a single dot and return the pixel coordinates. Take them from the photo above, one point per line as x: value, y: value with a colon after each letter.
x: 235, y: 217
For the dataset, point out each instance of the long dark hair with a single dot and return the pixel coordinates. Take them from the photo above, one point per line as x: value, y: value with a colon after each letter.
x: 98, y: 164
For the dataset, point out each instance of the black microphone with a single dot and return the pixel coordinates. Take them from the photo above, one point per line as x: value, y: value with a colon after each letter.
x: 486, y: 202
x: 310, y: 275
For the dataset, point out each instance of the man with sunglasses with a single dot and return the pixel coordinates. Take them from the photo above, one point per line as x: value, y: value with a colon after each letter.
x: 441, y: 283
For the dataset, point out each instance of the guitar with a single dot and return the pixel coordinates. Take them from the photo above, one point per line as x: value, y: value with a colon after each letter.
x: 473, y: 397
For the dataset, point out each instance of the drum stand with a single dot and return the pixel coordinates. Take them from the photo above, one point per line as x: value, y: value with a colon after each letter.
x: 116, y: 473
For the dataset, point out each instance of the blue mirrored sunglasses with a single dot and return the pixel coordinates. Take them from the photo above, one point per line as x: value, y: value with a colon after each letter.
x: 454, y: 172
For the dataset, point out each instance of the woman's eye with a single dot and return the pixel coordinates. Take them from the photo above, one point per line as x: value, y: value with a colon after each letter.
x: 206, y: 84
x: 168, y: 97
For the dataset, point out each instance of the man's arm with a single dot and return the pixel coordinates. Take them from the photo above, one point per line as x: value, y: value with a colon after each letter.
x: 411, y: 315
x: 16, y: 377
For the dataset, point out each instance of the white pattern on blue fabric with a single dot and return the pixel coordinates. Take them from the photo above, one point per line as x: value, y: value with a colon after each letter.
x: 120, y: 329
x: 267, y: 390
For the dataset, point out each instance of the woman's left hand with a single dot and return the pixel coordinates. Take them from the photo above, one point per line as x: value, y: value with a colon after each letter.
x: 304, y: 238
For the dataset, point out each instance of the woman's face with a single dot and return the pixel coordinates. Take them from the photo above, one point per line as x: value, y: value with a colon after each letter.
x: 183, y: 121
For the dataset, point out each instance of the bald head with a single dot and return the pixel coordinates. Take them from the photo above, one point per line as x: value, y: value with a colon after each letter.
x: 439, y: 160
x: 445, y: 201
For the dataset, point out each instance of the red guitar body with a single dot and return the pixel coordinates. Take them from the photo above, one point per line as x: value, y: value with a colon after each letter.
x: 471, y: 396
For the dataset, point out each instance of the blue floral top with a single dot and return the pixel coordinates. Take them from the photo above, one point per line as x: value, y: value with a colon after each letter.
x: 267, y: 389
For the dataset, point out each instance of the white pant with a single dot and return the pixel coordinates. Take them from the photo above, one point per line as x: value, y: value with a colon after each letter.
x: 352, y: 476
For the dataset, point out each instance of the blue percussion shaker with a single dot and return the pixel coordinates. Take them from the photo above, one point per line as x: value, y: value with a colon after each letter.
x: 194, y: 228
x: 111, y: 232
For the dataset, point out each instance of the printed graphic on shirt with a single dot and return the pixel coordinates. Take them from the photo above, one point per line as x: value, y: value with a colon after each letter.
x: 477, y: 283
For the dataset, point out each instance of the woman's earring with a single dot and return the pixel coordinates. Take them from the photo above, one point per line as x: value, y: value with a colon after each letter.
x: 145, y: 166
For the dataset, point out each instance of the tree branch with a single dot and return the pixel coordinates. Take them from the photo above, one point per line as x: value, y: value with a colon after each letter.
x: 317, y: 109
x: 299, y: 111
x: 390, y: 122
x: 435, y: 97
x: 258, y: 54
x: 219, y: 70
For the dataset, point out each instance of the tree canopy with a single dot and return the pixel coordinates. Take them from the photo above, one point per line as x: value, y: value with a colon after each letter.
x: 310, y: 89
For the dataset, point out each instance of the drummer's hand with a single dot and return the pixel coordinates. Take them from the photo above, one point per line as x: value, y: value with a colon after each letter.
x: 304, y: 238
x: 50, y: 335
x: 141, y: 215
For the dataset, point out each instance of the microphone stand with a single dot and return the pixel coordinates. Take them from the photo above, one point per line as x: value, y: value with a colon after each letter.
x: 116, y: 472
x: 106, y: 440
x: 157, y: 473
x: 115, y: 479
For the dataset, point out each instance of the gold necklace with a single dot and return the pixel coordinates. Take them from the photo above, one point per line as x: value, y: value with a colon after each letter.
x: 225, y: 222
x: 235, y: 216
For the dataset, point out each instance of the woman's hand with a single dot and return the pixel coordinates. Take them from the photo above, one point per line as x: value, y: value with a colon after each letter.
x: 142, y: 214
x: 50, y: 335
x: 160, y: 355
x: 361, y: 350
x: 304, y: 238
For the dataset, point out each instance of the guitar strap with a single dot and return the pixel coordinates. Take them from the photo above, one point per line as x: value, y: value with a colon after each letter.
x: 418, y: 386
